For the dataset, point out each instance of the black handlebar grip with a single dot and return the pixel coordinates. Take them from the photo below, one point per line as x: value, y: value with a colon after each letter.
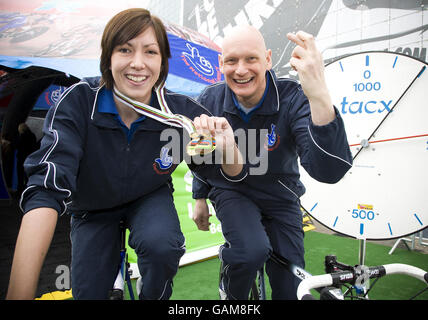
x: 116, y: 294
x: 308, y: 297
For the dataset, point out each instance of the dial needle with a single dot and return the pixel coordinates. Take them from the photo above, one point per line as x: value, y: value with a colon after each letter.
x: 366, y: 143
x: 393, y: 107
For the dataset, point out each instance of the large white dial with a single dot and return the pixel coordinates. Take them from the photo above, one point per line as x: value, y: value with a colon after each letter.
x: 383, y: 100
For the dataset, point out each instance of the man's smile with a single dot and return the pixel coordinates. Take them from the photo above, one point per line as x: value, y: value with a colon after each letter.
x: 243, y: 81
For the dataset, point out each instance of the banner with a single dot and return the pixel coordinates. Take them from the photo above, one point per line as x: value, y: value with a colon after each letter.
x: 193, y: 61
x: 341, y: 27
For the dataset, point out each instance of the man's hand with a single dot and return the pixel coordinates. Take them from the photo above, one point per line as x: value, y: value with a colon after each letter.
x: 201, y: 214
x: 308, y: 62
x: 220, y: 129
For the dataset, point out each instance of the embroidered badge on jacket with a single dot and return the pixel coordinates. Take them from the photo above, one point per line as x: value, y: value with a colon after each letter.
x: 272, y: 139
x: 163, y: 164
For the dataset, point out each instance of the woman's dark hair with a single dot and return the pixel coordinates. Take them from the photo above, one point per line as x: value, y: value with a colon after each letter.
x: 125, y: 26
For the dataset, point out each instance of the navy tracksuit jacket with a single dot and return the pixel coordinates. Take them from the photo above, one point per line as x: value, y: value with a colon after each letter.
x: 92, y: 165
x: 260, y: 212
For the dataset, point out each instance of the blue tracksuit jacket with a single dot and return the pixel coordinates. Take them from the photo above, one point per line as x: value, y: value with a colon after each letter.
x: 285, y: 116
x: 88, y: 161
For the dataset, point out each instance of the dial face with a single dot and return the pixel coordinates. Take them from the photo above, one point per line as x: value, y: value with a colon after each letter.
x: 383, y: 100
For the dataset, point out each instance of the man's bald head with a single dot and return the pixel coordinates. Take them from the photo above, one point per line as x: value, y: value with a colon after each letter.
x: 246, y: 34
x: 244, y: 63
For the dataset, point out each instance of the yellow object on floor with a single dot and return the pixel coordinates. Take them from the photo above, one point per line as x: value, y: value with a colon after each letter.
x: 307, y: 224
x: 56, y: 295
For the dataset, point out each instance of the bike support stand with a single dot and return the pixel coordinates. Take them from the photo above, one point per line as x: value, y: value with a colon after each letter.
x: 363, y: 290
x: 412, y: 240
x: 362, y: 252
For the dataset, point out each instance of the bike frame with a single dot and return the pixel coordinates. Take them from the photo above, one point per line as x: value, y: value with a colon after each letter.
x: 123, y: 274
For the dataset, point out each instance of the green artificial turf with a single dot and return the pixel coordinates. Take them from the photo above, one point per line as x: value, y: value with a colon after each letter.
x: 199, y: 281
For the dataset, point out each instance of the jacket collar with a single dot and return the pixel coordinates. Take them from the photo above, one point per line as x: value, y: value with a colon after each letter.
x: 104, y: 112
x: 270, y: 104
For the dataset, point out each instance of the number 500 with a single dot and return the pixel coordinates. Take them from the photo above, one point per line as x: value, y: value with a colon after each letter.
x: 363, y: 214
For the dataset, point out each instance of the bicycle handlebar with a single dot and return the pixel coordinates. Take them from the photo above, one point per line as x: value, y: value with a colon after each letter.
x: 337, y: 278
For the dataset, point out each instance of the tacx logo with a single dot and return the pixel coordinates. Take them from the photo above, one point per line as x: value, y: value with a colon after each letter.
x: 200, y: 65
x: 367, y: 107
x: 272, y: 139
x: 163, y: 164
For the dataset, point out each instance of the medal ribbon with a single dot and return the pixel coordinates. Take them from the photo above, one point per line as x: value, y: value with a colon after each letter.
x: 199, y: 144
x: 164, y: 115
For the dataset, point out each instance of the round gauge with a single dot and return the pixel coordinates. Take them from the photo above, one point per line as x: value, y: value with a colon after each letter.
x: 383, y: 100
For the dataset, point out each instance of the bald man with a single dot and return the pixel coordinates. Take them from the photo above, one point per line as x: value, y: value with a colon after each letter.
x: 281, y: 121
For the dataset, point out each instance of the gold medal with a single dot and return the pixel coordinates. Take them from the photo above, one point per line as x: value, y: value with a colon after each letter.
x: 200, y: 144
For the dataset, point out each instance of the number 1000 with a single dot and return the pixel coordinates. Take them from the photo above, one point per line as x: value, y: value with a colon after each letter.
x: 368, y: 86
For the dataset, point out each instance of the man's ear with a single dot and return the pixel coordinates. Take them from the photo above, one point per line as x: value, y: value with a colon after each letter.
x: 268, y: 59
x: 221, y: 62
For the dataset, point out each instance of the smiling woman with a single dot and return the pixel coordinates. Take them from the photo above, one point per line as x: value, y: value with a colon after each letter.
x: 97, y: 161
x: 128, y: 25
x: 136, y: 67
